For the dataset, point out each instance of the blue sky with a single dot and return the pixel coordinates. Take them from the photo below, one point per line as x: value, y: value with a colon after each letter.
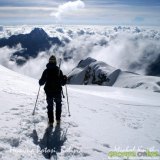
x: 108, y: 12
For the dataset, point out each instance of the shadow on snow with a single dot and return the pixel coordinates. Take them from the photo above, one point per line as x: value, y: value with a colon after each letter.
x: 52, y: 141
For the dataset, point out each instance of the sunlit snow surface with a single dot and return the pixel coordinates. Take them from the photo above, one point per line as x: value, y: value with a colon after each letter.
x: 101, y: 119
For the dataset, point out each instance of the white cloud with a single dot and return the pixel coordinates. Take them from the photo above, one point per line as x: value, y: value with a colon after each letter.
x: 6, y: 53
x: 128, y: 53
x: 68, y: 7
x: 128, y: 48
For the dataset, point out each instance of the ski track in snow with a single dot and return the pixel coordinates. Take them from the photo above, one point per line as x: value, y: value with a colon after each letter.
x: 101, y: 118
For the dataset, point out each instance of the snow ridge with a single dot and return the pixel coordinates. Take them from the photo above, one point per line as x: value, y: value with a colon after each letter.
x: 90, y: 71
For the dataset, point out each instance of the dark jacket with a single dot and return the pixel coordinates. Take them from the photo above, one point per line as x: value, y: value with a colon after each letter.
x: 52, y: 78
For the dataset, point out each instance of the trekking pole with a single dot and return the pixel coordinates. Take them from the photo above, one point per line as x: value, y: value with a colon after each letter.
x: 67, y: 101
x: 66, y: 89
x: 36, y: 102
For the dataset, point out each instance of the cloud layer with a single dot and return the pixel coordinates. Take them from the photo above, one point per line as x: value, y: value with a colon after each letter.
x: 127, y: 48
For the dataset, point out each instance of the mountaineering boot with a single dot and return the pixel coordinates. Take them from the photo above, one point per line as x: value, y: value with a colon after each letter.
x: 58, y: 121
x: 50, y: 124
x: 50, y: 117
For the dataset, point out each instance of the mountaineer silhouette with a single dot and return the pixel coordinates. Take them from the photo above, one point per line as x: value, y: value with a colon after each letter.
x: 53, y: 79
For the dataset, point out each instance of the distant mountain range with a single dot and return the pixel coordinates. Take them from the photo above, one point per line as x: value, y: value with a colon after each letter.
x: 38, y: 40
x: 34, y: 42
x: 90, y: 71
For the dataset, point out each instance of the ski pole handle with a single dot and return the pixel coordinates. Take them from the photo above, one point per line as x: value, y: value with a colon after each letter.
x: 36, y: 102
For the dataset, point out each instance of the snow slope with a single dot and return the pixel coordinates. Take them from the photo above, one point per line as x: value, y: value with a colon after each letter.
x: 101, y: 118
x: 91, y: 71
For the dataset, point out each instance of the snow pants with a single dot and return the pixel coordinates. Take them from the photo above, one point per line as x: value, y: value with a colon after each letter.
x: 51, y: 98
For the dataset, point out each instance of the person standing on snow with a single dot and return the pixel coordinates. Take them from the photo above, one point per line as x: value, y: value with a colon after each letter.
x: 53, y: 79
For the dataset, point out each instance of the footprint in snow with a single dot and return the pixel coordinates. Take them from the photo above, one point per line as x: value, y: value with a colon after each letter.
x: 106, y: 145
x: 158, y: 141
x: 16, y: 113
x: 21, y: 106
x: 14, y: 142
x: 75, y: 152
x: 77, y: 135
x: 14, y: 109
x: 73, y: 124
x: 97, y: 150
x: 1, y: 149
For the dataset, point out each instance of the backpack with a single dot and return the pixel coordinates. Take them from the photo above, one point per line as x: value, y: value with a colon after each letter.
x: 53, y: 82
